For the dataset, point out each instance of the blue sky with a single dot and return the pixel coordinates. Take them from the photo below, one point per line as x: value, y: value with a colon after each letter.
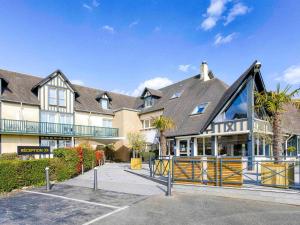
x: 123, y: 45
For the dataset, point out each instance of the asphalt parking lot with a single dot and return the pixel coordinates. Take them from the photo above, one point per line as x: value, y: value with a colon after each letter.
x: 80, y: 205
x: 64, y: 204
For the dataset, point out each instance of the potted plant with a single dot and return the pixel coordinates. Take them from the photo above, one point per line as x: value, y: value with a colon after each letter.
x: 278, y: 174
x: 137, y: 143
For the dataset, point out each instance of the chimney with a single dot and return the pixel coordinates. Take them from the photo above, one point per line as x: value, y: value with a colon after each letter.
x: 204, y: 71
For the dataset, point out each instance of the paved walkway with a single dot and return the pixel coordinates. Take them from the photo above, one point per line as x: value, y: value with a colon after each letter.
x: 113, y: 177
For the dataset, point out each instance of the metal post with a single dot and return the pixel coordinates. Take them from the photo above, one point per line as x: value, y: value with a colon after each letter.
x: 150, y: 166
x: 257, y: 173
x: 82, y: 170
x: 95, y: 179
x: 47, y: 179
x: 169, y: 184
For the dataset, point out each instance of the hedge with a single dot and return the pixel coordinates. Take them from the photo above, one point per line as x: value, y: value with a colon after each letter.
x: 66, y: 166
x: 17, y: 173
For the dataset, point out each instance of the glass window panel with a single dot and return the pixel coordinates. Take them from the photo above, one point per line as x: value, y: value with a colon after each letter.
x: 104, y: 103
x: 238, y: 108
x: 200, y: 108
x: 52, y: 98
x: 200, y: 146
x: 61, y: 97
x: 148, y: 101
x: 232, y: 145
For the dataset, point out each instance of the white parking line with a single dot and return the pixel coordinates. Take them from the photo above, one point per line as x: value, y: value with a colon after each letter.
x: 76, y: 200
x: 105, y: 215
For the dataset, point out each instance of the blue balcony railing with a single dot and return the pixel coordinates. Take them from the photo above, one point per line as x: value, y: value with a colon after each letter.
x: 8, y: 126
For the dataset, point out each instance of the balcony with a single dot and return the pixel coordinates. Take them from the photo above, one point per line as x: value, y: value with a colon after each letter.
x: 56, y: 129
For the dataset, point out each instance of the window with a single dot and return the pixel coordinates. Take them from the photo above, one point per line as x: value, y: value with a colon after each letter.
x: 49, y: 117
x: 238, y: 108
x: 107, y: 123
x: 147, y: 123
x: 62, y: 97
x: 176, y: 94
x: 204, y: 146
x: 148, y: 102
x: 104, y: 103
x: 52, y: 98
x: 65, y: 118
x: 200, y: 108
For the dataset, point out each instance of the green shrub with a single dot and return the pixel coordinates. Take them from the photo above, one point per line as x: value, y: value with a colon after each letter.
x: 89, y: 159
x: 68, y: 166
x: 18, y: 173
x: 8, y: 156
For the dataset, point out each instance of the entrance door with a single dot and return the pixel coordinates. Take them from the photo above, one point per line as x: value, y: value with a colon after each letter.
x: 183, y: 147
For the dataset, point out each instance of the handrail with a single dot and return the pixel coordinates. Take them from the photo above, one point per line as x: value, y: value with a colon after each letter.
x: 46, y: 128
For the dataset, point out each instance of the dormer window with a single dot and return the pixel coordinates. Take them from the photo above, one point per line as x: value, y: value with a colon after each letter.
x: 199, y: 109
x: 104, y: 103
x: 104, y: 100
x: 148, y: 102
x: 150, y: 96
x: 176, y: 94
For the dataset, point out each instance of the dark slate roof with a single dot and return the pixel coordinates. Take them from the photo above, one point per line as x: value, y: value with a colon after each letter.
x: 291, y: 120
x: 87, y: 100
x: 19, y: 89
x: 153, y: 92
x: 194, y: 92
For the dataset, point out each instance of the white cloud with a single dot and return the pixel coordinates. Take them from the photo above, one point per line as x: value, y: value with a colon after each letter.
x: 219, y: 39
x: 237, y: 10
x: 134, y: 23
x: 292, y: 75
x: 155, y: 83
x: 108, y: 28
x: 79, y: 82
x: 213, y: 13
x: 90, y: 6
x: 87, y: 6
x: 184, y: 68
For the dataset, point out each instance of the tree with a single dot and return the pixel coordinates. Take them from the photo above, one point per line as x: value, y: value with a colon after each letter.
x: 274, y: 102
x: 162, y: 124
x: 136, y: 141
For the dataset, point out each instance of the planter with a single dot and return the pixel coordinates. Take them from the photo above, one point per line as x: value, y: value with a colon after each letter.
x: 277, y: 175
x: 136, y: 163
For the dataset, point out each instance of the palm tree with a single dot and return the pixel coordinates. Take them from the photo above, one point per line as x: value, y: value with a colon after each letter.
x: 162, y: 124
x: 274, y: 102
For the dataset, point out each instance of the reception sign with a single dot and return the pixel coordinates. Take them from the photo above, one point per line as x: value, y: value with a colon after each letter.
x: 33, y: 150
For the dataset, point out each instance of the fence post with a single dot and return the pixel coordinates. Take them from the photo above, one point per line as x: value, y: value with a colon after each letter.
x: 95, y: 179
x: 82, y: 170
x: 221, y: 181
x: 257, y: 173
x: 47, y: 178
x: 150, y: 166
x: 169, y: 184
